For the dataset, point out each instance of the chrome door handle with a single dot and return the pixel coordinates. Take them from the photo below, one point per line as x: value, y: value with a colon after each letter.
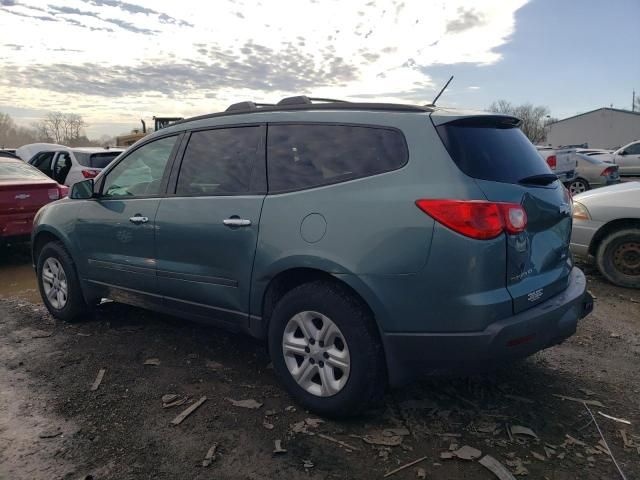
x: 236, y: 222
x: 137, y: 219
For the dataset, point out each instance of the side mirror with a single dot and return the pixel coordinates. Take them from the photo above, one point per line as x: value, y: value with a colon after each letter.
x: 622, y: 152
x: 82, y: 190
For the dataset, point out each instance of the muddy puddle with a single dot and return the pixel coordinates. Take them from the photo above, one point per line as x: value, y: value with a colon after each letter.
x: 17, y: 279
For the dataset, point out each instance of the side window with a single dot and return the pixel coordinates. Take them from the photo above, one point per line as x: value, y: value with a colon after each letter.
x: 140, y: 173
x: 633, y: 149
x: 223, y: 161
x: 305, y: 156
x: 61, y: 167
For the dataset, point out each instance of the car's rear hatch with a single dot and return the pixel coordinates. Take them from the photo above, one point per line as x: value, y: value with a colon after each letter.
x: 507, y: 168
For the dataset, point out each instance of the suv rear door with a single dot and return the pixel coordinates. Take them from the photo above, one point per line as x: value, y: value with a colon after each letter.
x: 507, y: 168
x: 208, y: 225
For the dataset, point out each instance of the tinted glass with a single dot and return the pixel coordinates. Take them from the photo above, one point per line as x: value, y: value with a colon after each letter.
x: 220, y: 162
x: 488, y: 150
x: 140, y: 173
x: 10, y: 170
x: 304, y: 156
x: 42, y: 162
x: 633, y: 149
x: 95, y: 160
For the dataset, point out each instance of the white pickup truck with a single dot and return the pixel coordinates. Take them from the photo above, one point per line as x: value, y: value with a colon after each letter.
x: 561, y: 161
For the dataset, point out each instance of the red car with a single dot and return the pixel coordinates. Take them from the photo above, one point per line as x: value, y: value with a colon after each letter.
x: 23, y: 190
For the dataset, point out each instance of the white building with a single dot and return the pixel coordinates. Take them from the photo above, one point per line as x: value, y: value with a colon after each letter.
x: 602, y: 128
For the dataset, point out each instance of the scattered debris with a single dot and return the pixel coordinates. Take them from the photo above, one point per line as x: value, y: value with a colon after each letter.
x: 549, y: 452
x: 517, y: 466
x: 41, y: 334
x: 267, y: 425
x: 173, y: 400
x: 308, y: 464
x: 335, y: 440
x: 50, y: 433
x: 278, y: 447
x: 290, y: 409
x: 615, y: 419
x: 178, y: 420
x: 615, y: 335
x: 211, y: 456
x: 269, y: 413
x: 593, y: 403
x: 587, y: 392
x: 380, y: 439
x: 454, y: 435
x: 406, y: 465
x: 467, y: 453
x: 627, y: 443
x: 152, y: 361
x: 496, y: 468
x: 313, y: 422
x: 249, y: 403
x: 384, y: 452
x: 98, y: 380
x: 421, y: 473
x: 213, y: 365
x: 520, y: 430
x: 538, y: 456
x: 604, y: 443
x: 446, y: 455
x: 573, y: 440
x: 486, y: 427
x: 392, y: 432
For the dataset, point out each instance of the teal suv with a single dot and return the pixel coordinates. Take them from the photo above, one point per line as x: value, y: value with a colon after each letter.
x: 366, y: 243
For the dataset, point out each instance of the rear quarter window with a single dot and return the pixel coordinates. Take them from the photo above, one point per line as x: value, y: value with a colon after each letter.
x: 489, y: 148
x: 305, y: 156
x: 95, y: 160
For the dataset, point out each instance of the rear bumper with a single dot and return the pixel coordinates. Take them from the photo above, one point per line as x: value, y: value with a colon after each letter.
x: 410, y: 355
x: 16, y: 225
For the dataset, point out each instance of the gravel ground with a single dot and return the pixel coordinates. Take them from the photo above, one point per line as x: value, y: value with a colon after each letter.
x: 52, y: 425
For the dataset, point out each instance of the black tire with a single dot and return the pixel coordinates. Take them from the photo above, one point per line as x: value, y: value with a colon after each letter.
x: 575, y: 187
x: 618, y: 257
x: 366, y: 381
x: 75, y: 306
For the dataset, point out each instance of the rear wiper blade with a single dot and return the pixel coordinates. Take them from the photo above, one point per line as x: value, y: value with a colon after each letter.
x: 542, y: 179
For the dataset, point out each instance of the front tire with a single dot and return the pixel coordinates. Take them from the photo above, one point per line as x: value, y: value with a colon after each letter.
x: 618, y: 257
x: 59, y: 284
x: 326, y: 351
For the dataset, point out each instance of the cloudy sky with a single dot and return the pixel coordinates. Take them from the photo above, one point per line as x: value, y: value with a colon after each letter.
x: 115, y: 62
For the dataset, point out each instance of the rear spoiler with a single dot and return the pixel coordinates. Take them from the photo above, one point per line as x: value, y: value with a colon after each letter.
x: 475, y: 120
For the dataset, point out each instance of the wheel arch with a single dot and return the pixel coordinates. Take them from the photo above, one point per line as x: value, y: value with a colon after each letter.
x: 41, y: 238
x: 610, y: 227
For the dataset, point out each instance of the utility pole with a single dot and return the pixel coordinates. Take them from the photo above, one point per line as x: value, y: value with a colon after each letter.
x: 633, y: 102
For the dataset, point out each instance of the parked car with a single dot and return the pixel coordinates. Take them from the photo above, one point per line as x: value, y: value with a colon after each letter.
x: 27, y: 152
x: 71, y: 165
x: 366, y: 243
x: 562, y: 162
x: 593, y: 173
x: 606, y: 226
x: 23, y: 190
x: 628, y: 158
x: 8, y: 153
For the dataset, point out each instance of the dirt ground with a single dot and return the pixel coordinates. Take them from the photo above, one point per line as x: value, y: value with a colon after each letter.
x: 53, y: 426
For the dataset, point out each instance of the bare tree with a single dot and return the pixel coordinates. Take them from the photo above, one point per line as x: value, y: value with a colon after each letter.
x: 534, y: 119
x: 64, y: 128
x: 12, y: 135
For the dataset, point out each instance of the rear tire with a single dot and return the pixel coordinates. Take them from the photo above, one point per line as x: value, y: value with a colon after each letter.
x: 353, y: 377
x: 579, y: 185
x: 618, y: 257
x: 59, y: 284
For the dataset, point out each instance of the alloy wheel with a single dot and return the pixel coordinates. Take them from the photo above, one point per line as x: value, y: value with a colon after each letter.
x: 54, y: 281
x: 577, y: 187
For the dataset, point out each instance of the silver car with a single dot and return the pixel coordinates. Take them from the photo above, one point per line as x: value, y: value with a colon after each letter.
x: 592, y: 173
x: 606, y: 226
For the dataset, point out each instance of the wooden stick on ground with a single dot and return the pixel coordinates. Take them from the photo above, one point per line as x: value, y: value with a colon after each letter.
x: 98, y: 380
x: 178, y: 420
x: 406, y: 465
x: 335, y: 440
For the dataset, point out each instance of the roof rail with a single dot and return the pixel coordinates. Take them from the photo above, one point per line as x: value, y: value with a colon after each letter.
x: 304, y: 100
x: 235, y: 107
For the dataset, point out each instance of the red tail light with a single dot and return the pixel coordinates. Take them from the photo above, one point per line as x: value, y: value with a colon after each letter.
x: 64, y: 191
x: 552, y: 161
x: 608, y: 171
x: 476, y: 218
x: 90, y: 173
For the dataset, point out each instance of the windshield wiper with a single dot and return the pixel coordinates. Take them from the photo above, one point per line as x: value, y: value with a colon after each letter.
x: 542, y: 179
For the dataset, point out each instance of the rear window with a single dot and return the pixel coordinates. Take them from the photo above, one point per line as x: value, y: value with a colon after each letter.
x: 19, y: 171
x: 95, y: 160
x: 306, y: 156
x: 490, y: 149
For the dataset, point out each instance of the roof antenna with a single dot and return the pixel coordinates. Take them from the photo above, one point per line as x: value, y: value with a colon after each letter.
x: 433, y: 103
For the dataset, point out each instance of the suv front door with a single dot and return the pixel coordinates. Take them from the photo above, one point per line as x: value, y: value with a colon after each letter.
x: 207, y: 229
x: 116, y: 230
